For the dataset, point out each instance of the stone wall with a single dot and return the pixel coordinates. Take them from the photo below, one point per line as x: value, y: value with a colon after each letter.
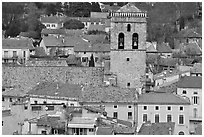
x: 36, y: 62
x: 27, y: 77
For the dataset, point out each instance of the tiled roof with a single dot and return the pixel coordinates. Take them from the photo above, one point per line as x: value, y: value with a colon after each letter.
x: 52, y: 19
x: 162, y: 128
x: 96, y: 27
x: 95, y: 109
x: 83, y: 120
x: 53, y: 31
x: 70, y: 32
x: 125, y: 123
x: 88, y: 47
x: 197, y: 68
x: 104, y: 131
x: 198, y: 130
x: 17, y: 43
x: 129, y: 8
x: 50, y: 121
x: 87, y: 19
x: 194, y: 48
x: 163, y: 48
x: 188, y: 33
x: 190, y: 82
x: 14, y: 92
x: 96, y: 38
x: 108, y: 94
x: 56, y: 89
x: 73, y: 41
x: 161, y: 98
x: 124, y: 130
x: 52, y: 41
x: 168, y: 61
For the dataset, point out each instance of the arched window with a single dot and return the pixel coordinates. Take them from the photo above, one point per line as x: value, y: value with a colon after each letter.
x: 121, y: 41
x: 181, y: 133
x: 128, y: 27
x: 135, y: 41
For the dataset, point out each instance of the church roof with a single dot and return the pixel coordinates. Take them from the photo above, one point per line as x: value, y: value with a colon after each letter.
x: 129, y: 8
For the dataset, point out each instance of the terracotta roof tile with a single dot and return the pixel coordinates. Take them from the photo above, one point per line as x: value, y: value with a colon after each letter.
x: 190, y: 82
x: 157, y: 128
x: 108, y: 94
x: 56, y: 89
x: 17, y: 43
x: 163, y: 48
x: 129, y: 8
x: 104, y: 131
x: 161, y: 98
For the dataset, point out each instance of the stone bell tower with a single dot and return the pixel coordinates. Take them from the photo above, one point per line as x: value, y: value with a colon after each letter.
x: 128, y: 38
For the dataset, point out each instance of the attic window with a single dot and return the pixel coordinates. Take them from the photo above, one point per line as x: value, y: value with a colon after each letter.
x: 128, y: 84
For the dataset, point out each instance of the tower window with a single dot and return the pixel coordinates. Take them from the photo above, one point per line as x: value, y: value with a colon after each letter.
x: 135, y: 41
x: 128, y: 27
x: 121, y: 41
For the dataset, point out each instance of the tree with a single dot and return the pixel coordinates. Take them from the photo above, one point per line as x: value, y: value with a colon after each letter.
x: 95, y: 7
x: 73, y: 24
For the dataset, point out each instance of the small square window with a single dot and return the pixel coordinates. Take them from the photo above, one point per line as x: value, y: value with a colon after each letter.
x: 195, y: 93
x: 128, y: 84
x: 3, y: 99
x: 184, y: 91
x: 19, y: 99
x: 156, y: 107
x: 44, y: 102
x: 115, y: 106
x: 181, y: 108
x: 10, y: 99
x: 84, y: 52
x: 168, y: 108
x: 145, y: 107
x: 128, y: 59
x: 129, y: 106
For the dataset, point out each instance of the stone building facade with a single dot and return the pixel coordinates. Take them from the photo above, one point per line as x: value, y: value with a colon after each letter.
x: 128, y: 38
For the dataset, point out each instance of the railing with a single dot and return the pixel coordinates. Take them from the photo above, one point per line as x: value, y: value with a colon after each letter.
x: 133, y: 14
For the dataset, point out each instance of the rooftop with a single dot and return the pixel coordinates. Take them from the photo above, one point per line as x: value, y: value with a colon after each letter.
x: 163, y: 48
x: 188, y: 33
x: 162, y: 98
x: 124, y: 130
x: 108, y: 94
x: 52, y: 19
x: 56, y: 89
x: 53, y: 31
x: 190, y: 82
x: 129, y: 8
x: 197, y: 68
x: 14, y: 92
x: 104, y: 131
x: 17, y: 43
x: 162, y: 128
x: 50, y: 121
x: 82, y: 120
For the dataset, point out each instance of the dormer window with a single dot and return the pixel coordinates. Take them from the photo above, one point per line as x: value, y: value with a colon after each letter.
x: 128, y: 27
x: 121, y: 41
x: 135, y: 41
